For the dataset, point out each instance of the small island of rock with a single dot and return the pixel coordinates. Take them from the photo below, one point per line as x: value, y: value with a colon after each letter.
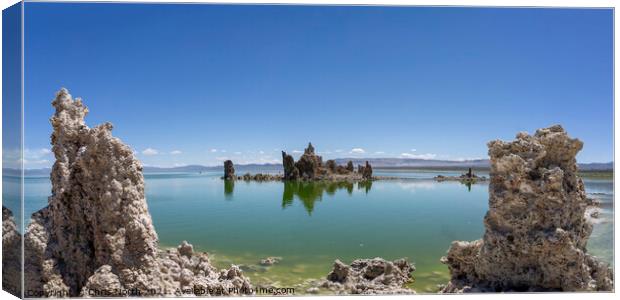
x: 468, y: 177
x: 309, y: 167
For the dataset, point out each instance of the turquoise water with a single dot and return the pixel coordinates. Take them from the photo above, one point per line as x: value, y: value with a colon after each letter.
x: 310, y: 225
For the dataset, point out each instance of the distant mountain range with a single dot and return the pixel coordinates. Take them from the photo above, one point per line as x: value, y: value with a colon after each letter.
x: 377, y: 163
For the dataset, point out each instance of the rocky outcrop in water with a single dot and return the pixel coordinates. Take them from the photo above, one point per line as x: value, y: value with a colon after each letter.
x: 367, y: 173
x: 331, y: 165
x: 11, y: 254
x: 309, y: 164
x: 229, y: 170
x: 350, y: 166
x: 311, y: 167
x: 260, y: 177
x: 468, y: 177
x: 536, y: 230
x: 370, y: 276
x: 96, y: 231
x: 290, y: 170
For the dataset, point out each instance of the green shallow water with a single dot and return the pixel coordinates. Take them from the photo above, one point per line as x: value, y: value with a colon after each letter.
x: 310, y: 225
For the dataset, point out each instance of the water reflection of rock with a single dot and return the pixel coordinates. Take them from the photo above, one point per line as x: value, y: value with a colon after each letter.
x: 229, y: 188
x: 308, y: 192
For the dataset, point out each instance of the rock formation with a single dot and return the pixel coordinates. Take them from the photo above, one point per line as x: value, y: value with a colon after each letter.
x: 536, y: 229
x: 370, y: 276
x: 96, y: 232
x: 270, y: 261
x: 260, y: 177
x: 309, y: 164
x: 331, y: 165
x: 367, y: 172
x: 465, y: 178
x: 350, y: 166
x: 290, y: 170
x: 311, y: 167
x: 11, y: 254
x: 229, y: 170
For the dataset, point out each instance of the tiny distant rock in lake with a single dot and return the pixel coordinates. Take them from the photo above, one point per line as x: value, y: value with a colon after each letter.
x: 468, y: 177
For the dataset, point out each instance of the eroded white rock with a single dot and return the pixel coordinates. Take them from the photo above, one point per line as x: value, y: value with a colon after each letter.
x: 11, y: 254
x: 97, y: 232
x: 370, y: 276
x: 536, y: 227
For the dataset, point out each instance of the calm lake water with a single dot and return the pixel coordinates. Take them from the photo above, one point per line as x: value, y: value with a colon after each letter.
x: 310, y: 225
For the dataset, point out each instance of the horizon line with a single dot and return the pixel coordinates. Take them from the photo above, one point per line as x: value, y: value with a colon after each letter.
x: 279, y: 163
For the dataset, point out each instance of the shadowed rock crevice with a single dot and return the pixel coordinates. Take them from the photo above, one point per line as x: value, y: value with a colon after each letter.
x: 96, y: 231
x: 536, y: 227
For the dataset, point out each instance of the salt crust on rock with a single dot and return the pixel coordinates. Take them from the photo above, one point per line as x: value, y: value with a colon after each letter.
x: 96, y: 237
x: 536, y: 227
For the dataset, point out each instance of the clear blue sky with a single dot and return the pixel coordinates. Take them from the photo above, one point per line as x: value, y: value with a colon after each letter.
x: 194, y: 84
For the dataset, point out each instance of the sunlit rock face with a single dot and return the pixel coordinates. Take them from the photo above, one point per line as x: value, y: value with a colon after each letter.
x: 536, y: 228
x: 96, y: 230
x: 11, y: 254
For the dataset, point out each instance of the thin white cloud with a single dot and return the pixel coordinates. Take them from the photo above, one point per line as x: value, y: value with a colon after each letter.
x: 32, y: 158
x: 213, y: 150
x: 150, y: 151
x: 414, y: 150
x: 34, y: 162
x: 222, y: 158
x: 419, y: 156
x: 237, y: 153
x: 380, y: 152
x: 34, y: 154
x: 338, y: 150
x: 176, y: 152
x: 357, y: 151
x: 297, y: 151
